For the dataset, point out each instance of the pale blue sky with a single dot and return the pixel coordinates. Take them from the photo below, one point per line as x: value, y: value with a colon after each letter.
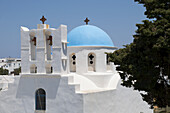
x: 116, y: 17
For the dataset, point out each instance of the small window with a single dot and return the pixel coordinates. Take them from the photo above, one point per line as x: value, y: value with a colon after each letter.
x: 40, y: 99
x: 91, y: 62
x: 74, y: 58
x: 107, y: 59
x: 91, y: 58
x: 73, y: 62
x: 33, y: 69
x: 109, y: 67
x: 49, y: 68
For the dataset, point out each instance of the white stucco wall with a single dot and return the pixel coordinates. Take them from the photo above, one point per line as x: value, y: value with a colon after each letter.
x: 81, y: 92
x: 82, y: 58
x: 101, y: 78
x: 121, y: 100
x: 61, y: 97
x: 92, y: 82
x: 59, y: 49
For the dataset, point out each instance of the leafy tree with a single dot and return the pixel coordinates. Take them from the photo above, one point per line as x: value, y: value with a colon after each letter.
x: 17, y: 71
x: 145, y: 63
x: 3, y: 71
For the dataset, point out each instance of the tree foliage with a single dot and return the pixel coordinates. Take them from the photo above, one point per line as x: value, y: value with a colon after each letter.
x: 3, y: 71
x: 17, y: 71
x: 145, y: 63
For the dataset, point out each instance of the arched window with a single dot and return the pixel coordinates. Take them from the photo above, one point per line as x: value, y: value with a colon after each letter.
x: 73, y: 62
x: 40, y: 99
x: 108, y: 62
x: 91, y: 62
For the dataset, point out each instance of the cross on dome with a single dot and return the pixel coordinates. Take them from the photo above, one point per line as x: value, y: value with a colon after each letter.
x: 87, y: 21
x: 43, y: 19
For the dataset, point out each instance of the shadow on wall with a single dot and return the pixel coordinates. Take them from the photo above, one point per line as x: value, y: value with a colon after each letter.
x: 28, y: 86
x: 64, y: 64
x: 64, y: 47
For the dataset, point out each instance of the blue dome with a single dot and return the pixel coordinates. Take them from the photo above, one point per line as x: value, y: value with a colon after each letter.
x: 88, y: 35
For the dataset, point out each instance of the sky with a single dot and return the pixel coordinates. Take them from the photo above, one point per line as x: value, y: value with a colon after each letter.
x: 118, y: 18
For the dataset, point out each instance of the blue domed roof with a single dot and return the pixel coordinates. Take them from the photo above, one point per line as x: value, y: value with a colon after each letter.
x: 88, y: 35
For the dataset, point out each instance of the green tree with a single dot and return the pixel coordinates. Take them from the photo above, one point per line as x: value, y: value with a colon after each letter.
x: 17, y: 71
x: 145, y: 63
x: 3, y: 71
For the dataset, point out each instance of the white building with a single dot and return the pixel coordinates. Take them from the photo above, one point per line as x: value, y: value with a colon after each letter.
x: 10, y: 63
x: 61, y: 75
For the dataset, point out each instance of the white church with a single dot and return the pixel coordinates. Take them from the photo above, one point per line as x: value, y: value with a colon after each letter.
x: 67, y: 73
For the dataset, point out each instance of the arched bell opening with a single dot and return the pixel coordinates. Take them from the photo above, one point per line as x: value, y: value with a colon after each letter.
x: 73, y: 62
x: 91, y: 62
x: 108, y: 62
x: 33, y: 42
x: 49, y: 43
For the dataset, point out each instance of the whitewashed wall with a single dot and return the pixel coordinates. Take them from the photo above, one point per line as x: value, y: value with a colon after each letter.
x: 44, y: 58
x: 20, y: 96
x: 82, y: 58
x: 121, y: 100
x: 61, y: 98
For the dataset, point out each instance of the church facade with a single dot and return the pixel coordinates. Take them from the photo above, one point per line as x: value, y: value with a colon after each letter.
x: 68, y: 74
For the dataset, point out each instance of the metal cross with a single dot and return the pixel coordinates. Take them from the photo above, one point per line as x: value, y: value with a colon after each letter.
x: 87, y: 21
x: 43, y: 19
x: 91, y: 57
x: 74, y: 57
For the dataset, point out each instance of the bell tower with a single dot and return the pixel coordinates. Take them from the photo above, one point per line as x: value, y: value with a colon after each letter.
x: 44, y: 50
